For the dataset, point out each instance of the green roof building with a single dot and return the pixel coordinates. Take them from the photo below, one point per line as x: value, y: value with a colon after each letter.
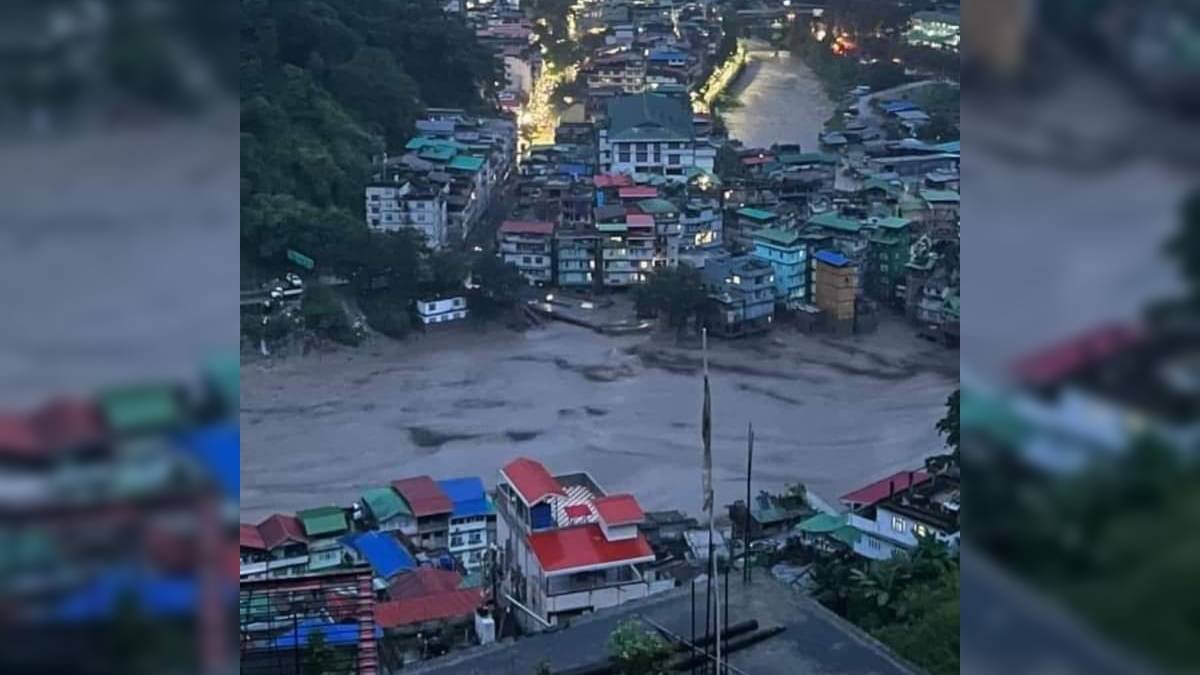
x: 386, y: 507
x: 135, y: 410
x: 323, y: 521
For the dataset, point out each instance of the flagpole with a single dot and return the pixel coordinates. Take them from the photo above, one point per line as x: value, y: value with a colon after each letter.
x: 746, y: 524
x: 710, y: 502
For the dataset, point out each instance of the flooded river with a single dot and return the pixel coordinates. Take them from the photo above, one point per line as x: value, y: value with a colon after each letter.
x: 782, y: 101
x: 832, y: 413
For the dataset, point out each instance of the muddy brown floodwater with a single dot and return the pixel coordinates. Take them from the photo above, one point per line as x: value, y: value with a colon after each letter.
x: 833, y: 413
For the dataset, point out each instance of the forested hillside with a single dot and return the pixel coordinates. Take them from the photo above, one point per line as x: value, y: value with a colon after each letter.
x: 325, y: 86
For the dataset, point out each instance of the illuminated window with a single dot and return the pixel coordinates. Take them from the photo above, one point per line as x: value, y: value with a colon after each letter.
x: 921, y: 530
x: 897, y: 523
x: 737, y: 279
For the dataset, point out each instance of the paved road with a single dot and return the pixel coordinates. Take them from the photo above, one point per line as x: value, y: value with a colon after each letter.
x: 814, y: 642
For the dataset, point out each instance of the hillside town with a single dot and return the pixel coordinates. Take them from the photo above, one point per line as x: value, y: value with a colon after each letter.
x: 610, y: 185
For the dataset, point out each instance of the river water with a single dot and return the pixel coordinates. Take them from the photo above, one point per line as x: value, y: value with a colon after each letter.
x: 782, y: 101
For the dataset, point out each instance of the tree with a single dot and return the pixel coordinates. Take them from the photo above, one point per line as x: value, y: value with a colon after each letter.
x: 499, y: 283
x: 319, y: 657
x: 948, y: 425
x: 831, y: 580
x: 879, y: 591
x: 676, y: 292
x: 940, y: 129
x: 636, y: 651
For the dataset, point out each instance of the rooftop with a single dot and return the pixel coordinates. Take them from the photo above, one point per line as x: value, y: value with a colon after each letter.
x: 836, y: 221
x: 526, y: 227
x: 756, y: 214
x: 649, y: 116
x: 280, y: 529
x: 383, y: 551
x: 880, y: 489
x: 771, y: 235
x: 531, y: 480
x: 657, y: 206
x: 385, y: 503
x: 434, y: 607
x: 468, y: 497
x: 621, y: 509
x: 424, y: 496
x: 585, y: 547
x: 832, y: 258
x: 323, y: 520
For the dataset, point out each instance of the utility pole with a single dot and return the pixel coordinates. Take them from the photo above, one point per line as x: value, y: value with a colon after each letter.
x: 746, y: 575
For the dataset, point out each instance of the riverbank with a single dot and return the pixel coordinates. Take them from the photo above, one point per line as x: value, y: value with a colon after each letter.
x: 829, y: 413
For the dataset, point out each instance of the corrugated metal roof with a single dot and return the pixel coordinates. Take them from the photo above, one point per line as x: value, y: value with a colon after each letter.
x: 424, y: 582
x: 323, y: 520
x: 622, y: 509
x: 881, y: 489
x: 218, y: 449
x: 385, y: 504
x: 250, y: 537
x: 140, y: 409
x: 383, y: 551
x: 19, y: 438
x: 585, y: 547
x: 526, y: 227
x: 467, y: 496
x: 831, y: 258
x: 424, y: 496
x: 531, y: 480
x: 756, y: 214
x: 437, y: 607
x: 280, y: 529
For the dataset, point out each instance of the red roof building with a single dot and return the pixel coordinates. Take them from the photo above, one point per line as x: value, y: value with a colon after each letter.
x: 1052, y: 364
x: 278, y: 530
x: 424, y: 496
x: 70, y: 423
x: 424, y: 581
x: 637, y: 192
x: 527, y: 227
x: 444, y: 606
x: 532, y: 482
x: 616, y: 180
x: 619, y: 510
x: 19, y: 438
x: 882, y: 489
x: 584, y: 548
x: 250, y: 537
x: 639, y: 220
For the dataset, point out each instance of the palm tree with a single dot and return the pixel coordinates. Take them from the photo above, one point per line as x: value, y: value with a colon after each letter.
x: 831, y: 581
x: 929, y: 560
x: 881, y: 587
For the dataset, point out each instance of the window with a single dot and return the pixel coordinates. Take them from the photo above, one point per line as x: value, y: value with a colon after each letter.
x: 920, y: 530
x: 525, y: 259
x: 456, y: 540
x: 429, y: 307
x: 897, y: 523
x: 475, y: 538
x: 673, y: 160
x: 624, y: 156
x: 374, y: 198
x: 641, y: 156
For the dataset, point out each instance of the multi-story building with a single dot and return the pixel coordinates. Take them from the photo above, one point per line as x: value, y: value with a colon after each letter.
x: 567, y: 548
x: 904, y: 509
x: 324, y: 527
x: 414, y: 203
x: 702, y: 222
x: 652, y: 134
x: 385, y: 510
x: 528, y: 244
x: 472, y: 521
x: 625, y: 71
x: 626, y: 245
x: 276, y: 547
x: 441, y: 310
x: 576, y: 248
x: 431, y: 508
x: 786, y: 252
x: 835, y: 288
x: 887, y: 256
x: 668, y: 233
x: 742, y: 292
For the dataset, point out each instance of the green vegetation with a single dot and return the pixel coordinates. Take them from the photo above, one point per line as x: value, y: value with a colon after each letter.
x: 909, y: 602
x: 636, y: 651
x: 674, y: 293
x: 325, y: 88
x: 1184, y: 247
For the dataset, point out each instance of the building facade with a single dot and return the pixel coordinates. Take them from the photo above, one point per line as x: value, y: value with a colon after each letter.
x: 652, y: 134
x: 416, y: 205
x: 529, y: 245
x: 785, y: 251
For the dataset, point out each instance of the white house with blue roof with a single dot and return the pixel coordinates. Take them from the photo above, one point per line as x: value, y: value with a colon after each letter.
x: 472, y: 521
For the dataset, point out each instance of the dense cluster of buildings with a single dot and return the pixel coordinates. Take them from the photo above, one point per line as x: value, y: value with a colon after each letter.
x: 445, y: 180
x: 439, y: 555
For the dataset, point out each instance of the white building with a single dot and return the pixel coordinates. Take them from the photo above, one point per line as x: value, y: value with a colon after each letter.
x: 566, y: 549
x: 934, y: 29
x: 407, y: 204
x: 652, y: 134
x: 891, y: 514
x: 441, y: 311
x: 472, y: 522
x: 528, y: 245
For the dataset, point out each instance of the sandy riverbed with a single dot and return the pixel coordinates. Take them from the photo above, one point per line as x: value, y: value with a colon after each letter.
x: 833, y: 413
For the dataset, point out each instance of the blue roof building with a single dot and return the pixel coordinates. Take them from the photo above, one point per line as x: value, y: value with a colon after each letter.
x: 218, y: 449
x: 383, y: 551
x: 336, y: 634
x: 472, y: 520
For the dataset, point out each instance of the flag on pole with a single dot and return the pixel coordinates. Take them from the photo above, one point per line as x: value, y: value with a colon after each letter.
x: 706, y: 430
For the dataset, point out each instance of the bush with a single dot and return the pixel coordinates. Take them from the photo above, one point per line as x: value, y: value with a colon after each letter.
x: 323, y: 314
x: 390, y: 318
